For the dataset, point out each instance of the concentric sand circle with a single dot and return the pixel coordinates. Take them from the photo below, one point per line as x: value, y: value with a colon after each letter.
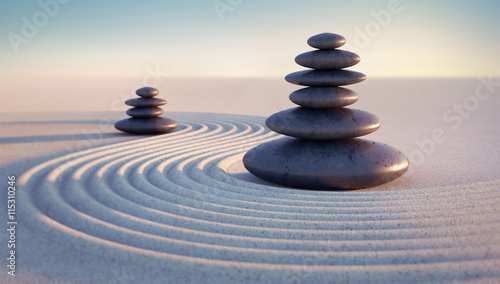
x: 168, y: 201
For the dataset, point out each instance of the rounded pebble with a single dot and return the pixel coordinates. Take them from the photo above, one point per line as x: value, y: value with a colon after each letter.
x: 324, y: 97
x: 323, y: 124
x: 323, y: 78
x: 327, y: 59
x: 155, y: 125
x: 145, y: 112
x: 147, y: 92
x: 145, y: 102
x: 326, y: 165
x: 326, y: 41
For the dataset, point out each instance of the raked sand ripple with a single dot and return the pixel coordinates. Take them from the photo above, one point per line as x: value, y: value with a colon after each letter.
x: 168, y: 201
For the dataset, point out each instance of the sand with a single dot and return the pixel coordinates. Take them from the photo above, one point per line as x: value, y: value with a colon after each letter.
x: 99, y: 206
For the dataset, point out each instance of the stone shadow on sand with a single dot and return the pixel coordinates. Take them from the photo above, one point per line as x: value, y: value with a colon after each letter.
x: 61, y: 121
x: 62, y: 137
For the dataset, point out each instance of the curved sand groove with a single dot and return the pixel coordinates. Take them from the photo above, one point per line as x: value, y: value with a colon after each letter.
x: 169, y: 201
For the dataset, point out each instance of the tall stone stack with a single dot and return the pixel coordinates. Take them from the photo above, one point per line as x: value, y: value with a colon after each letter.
x: 145, y: 114
x: 321, y: 150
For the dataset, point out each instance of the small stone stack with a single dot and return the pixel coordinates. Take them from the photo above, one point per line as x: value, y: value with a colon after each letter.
x: 146, y: 114
x: 322, y: 151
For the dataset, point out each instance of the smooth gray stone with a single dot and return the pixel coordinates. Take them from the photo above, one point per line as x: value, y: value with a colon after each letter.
x: 147, y: 92
x: 145, y: 112
x: 324, y: 97
x: 327, y: 59
x: 326, y: 165
x: 323, y: 78
x: 145, y: 102
x: 323, y: 124
x: 155, y: 125
x: 326, y: 41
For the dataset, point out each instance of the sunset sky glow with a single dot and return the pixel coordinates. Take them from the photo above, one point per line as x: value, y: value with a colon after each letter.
x: 243, y: 38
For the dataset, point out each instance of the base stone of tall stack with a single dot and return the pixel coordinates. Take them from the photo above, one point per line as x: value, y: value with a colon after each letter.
x: 326, y: 165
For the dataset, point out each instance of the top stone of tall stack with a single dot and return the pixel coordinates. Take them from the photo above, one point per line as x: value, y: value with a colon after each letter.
x: 147, y: 92
x: 326, y: 41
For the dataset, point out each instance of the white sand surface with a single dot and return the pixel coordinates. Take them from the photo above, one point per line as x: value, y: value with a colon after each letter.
x: 98, y: 206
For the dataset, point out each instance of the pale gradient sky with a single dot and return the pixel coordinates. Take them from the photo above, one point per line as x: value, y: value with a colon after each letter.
x: 255, y: 39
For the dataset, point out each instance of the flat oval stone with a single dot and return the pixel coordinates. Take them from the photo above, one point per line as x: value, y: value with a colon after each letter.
x: 323, y: 124
x: 155, y: 125
x: 327, y: 59
x: 147, y: 92
x: 323, y: 78
x: 145, y: 102
x: 145, y: 112
x: 326, y: 41
x: 326, y: 165
x: 324, y: 97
